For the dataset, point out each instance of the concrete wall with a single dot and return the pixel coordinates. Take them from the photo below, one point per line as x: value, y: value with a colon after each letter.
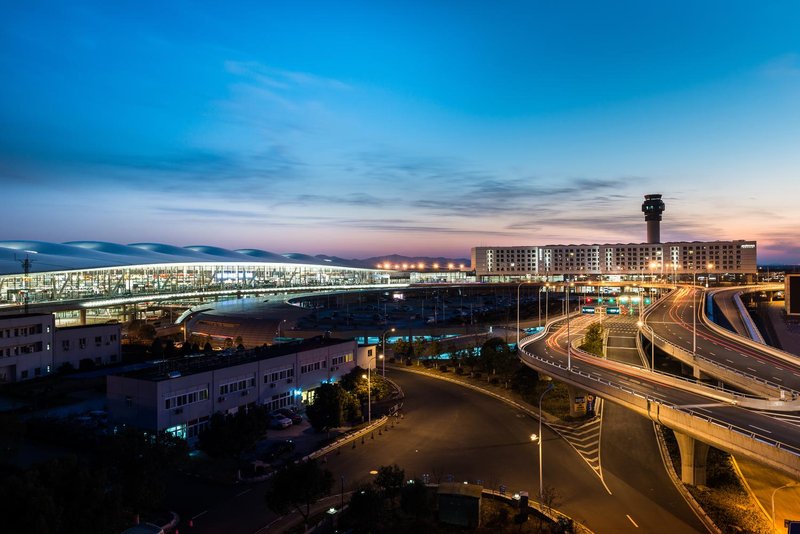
x: 100, y: 343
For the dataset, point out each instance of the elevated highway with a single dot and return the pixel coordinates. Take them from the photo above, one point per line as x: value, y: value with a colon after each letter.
x: 679, y: 326
x: 699, y: 415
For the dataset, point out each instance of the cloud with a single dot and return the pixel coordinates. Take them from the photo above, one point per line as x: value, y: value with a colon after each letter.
x: 278, y: 79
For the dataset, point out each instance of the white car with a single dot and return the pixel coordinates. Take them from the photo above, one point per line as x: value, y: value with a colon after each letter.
x: 278, y: 421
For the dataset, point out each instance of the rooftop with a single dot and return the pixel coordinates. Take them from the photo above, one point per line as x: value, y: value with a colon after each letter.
x: 200, y: 363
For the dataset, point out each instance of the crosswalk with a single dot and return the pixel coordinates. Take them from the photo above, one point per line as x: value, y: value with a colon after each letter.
x: 584, y: 437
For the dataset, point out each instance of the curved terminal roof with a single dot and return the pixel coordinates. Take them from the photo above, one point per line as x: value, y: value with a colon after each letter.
x: 77, y: 255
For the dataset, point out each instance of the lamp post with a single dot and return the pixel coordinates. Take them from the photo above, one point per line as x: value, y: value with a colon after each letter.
x: 518, y: 288
x: 694, y: 311
x: 772, y: 498
x: 369, y: 394
x: 569, y: 338
x: 383, y: 356
x: 546, y: 302
x: 539, y: 438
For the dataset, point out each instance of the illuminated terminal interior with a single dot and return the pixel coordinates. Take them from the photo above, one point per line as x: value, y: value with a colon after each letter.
x: 48, y: 272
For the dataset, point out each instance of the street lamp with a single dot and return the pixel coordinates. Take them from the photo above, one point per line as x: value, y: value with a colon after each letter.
x: 540, y: 313
x: 569, y: 345
x: 546, y: 302
x: 539, y: 437
x: 383, y: 356
x: 772, y: 498
x: 369, y: 394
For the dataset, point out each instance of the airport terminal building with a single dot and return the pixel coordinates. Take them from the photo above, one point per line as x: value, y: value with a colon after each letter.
x: 38, y: 271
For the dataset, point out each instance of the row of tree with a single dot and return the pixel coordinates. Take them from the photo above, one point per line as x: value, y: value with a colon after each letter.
x: 114, y: 478
x: 336, y: 404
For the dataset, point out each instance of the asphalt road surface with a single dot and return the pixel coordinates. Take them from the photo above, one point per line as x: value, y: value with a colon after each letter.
x: 450, y: 432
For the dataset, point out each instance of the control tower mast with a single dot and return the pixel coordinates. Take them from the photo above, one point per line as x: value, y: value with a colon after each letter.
x: 653, y: 207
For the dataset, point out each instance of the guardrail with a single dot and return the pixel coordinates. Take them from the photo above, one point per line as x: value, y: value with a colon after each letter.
x: 676, y: 415
x: 787, y: 357
x: 717, y: 369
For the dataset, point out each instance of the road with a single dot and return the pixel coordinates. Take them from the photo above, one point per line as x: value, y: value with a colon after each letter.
x: 451, y: 431
x: 631, y: 384
x: 671, y: 318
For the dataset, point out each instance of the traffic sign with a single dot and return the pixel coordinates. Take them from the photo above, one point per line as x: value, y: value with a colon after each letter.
x: 587, y: 309
x: 612, y: 310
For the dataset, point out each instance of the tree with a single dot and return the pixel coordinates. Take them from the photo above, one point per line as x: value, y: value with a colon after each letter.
x: 298, y: 486
x: 207, y: 348
x: 365, y: 509
x: 230, y: 435
x: 524, y: 381
x: 414, y: 499
x: 593, y: 340
x: 390, y: 478
x: 331, y: 407
x: 495, y: 356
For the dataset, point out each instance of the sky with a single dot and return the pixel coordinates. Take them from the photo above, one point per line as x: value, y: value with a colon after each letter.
x: 362, y: 129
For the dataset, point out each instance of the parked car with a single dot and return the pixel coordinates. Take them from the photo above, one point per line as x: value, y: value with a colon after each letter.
x: 278, y: 421
x: 295, y: 417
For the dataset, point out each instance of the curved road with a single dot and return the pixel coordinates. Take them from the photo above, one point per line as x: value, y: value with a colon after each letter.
x: 451, y: 431
x: 671, y: 318
x: 549, y: 353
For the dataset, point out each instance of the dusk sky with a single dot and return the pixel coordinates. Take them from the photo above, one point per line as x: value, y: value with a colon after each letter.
x: 423, y: 128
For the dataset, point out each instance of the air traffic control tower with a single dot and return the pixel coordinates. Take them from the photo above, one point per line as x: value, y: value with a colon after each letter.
x: 653, y: 207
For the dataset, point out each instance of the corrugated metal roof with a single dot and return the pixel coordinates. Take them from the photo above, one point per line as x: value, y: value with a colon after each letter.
x: 78, y: 255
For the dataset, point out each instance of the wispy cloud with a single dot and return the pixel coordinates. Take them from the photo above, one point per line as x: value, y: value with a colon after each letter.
x: 281, y: 79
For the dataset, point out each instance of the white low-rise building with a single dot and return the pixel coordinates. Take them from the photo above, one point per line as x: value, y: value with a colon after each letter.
x: 181, y: 396
x: 26, y: 346
x: 98, y: 343
x: 31, y: 346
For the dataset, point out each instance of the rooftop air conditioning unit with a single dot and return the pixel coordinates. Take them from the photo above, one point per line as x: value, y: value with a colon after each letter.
x: 244, y: 393
x: 220, y: 399
x: 288, y: 380
x: 178, y: 411
x: 272, y: 385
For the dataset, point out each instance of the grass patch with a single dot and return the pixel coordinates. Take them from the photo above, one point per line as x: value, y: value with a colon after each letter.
x: 724, y: 497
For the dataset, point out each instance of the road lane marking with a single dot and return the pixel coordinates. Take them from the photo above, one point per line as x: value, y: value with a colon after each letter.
x: 759, y: 428
x: 632, y: 521
x: 243, y: 492
x: 728, y: 360
x: 751, y: 369
x: 201, y: 513
x: 778, y: 379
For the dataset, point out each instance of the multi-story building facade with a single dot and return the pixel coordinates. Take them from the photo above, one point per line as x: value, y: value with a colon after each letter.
x: 675, y: 259
x: 99, y: 343
x: 31, y: 345
x: 182, y: 398
x: 26, y: 346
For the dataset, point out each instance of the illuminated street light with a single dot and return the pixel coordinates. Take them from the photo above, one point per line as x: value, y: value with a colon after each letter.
x: 540, y: 437
x: 569, y: 344
x: 518, y: 288
x: 383, y: 356
x: 772, y: 498
x: 369, y: 394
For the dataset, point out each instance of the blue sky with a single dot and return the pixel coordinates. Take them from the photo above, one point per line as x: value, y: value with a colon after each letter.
x: 370, y: 128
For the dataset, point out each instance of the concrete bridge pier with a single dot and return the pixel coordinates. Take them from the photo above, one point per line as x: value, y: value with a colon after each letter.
x: 578, y: 399
x: 693, y: 459
x: 83, y: 316
x: 694, y: 371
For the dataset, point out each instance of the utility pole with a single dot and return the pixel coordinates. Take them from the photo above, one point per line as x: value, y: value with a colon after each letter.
x: 26, y: 268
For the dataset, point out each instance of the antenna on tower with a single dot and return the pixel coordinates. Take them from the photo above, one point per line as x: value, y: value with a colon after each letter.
x: 26, y: 268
